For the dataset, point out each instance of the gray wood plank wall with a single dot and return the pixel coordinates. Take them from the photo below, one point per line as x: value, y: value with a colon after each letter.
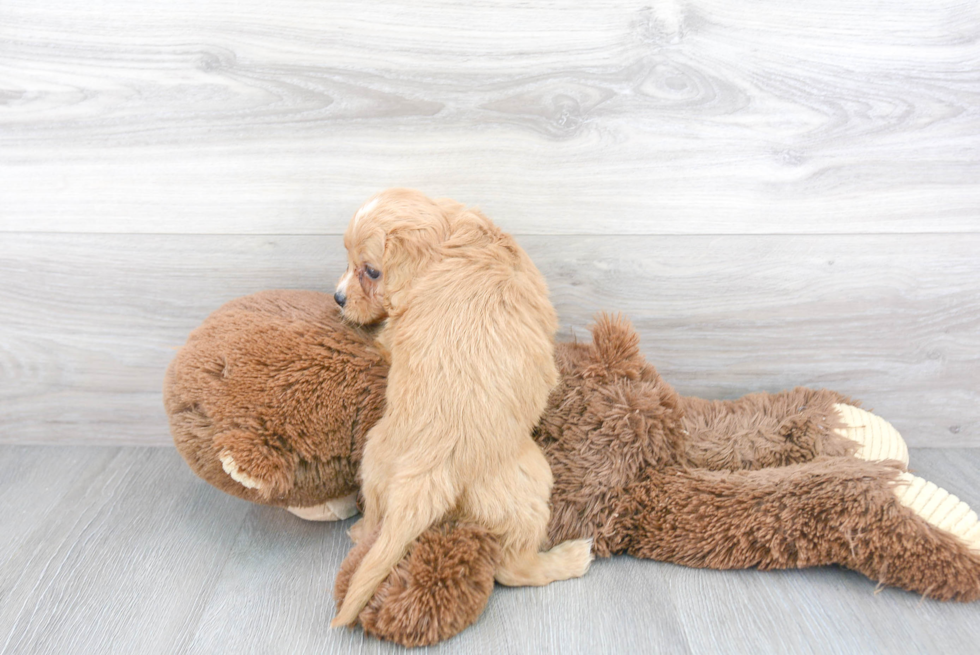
x: 776, y: 195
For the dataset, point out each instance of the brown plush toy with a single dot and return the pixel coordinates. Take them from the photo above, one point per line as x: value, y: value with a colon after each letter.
x: 273, y: 394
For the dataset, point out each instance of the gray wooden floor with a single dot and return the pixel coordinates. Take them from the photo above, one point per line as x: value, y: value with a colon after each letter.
x: 123, y: 550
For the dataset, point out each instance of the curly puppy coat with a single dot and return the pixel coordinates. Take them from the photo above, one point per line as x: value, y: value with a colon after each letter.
x: 470, y: 334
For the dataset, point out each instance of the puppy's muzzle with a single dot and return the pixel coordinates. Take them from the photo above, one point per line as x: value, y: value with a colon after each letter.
x: 340, y: 298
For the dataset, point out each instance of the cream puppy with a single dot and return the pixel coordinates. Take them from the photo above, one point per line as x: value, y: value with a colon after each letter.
x: 470, y: 333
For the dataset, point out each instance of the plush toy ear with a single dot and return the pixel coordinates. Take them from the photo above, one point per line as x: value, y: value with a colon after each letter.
x: 615, y: 348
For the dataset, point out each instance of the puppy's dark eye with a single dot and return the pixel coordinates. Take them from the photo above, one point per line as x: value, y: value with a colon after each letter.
x: 372, y: 273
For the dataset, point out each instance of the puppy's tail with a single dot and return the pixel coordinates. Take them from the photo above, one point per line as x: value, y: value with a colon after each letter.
x: 405, y: 519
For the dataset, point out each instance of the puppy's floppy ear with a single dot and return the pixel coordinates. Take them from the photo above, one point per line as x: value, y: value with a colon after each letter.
x: 415, y: 227
x: 407, y: 253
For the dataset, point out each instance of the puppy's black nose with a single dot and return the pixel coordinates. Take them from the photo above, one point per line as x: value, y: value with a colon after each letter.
x: 340, y: 298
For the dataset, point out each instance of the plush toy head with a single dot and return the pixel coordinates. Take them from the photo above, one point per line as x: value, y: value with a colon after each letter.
x: 271, y: 397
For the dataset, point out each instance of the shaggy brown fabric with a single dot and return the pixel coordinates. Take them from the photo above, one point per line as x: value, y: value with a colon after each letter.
x: 829, y: 511
x: 761, y: 481
x: 439, y: 588
x: 277, y: 380
x: 610, y: 418
x: 761, y: 430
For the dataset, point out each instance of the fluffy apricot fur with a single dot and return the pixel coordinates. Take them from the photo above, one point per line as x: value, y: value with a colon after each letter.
x: 470, y: 334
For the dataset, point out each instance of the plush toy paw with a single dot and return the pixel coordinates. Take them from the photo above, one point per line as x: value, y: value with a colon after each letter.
x: 939, y: 508
x: 231, y: 468
x: 336, y: 509
x: 252, y: 462
x: 876, y: 437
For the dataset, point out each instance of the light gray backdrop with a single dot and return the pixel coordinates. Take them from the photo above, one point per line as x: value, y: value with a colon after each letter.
x: 776, y: 194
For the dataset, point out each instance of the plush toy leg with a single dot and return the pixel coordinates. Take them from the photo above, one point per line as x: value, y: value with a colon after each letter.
x: 876, y: 437
x: 336, y: 509
x: 763, y: 430
x: 867, y: 516
x: 439, y: 588
x: 939, y: 508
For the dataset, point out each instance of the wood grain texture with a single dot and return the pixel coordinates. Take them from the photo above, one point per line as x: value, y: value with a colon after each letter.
x: 123, y: 564
x: 614, y: 117
x: 139, y: 556
x: 91, y: 321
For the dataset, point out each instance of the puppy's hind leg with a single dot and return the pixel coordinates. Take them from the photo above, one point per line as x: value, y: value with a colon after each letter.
x: 411, y: 506
x: 569, y: 559
x: 515, y: 501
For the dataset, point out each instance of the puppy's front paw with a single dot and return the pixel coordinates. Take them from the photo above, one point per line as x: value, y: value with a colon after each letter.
x: 360, y: 531
x: 231, y: 468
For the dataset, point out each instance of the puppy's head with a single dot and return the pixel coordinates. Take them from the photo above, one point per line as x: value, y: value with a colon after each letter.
x: 392, y: 238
